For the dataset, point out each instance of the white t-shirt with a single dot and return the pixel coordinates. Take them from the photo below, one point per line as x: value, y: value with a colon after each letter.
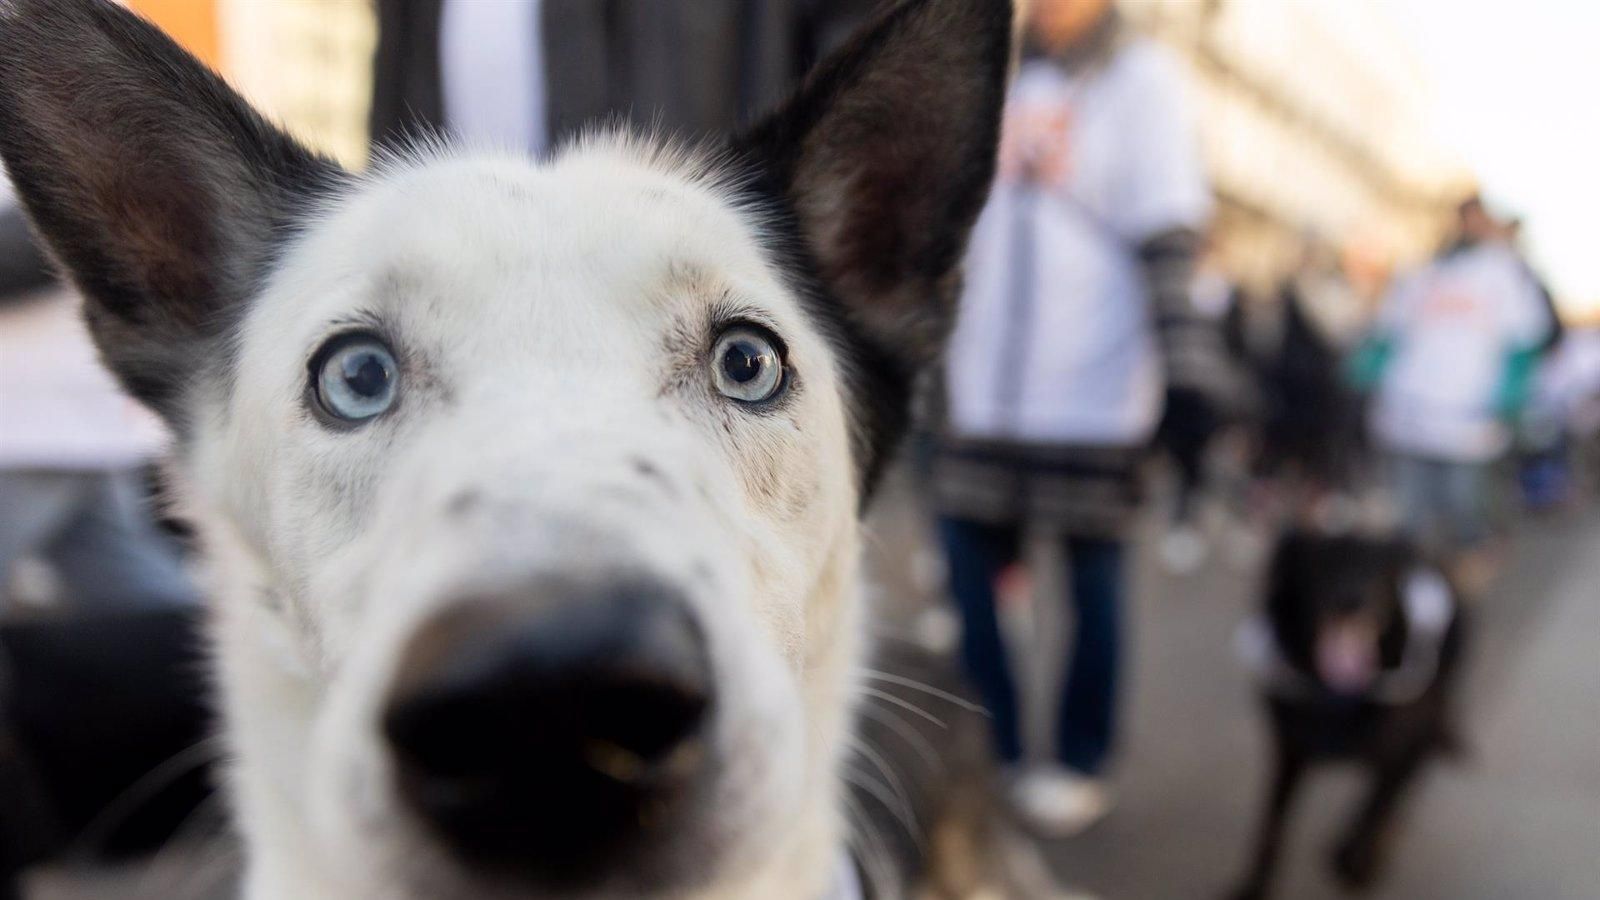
x: 1054, y: 342
x: 492, y: 65
x: 1453, y: 325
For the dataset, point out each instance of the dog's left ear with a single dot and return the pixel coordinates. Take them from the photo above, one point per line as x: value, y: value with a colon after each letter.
x: 885, y: 157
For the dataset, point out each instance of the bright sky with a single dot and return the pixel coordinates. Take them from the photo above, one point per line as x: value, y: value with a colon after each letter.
x: 1516, y: 83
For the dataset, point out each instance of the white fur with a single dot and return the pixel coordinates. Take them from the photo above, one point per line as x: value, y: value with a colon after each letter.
x: 551, y: 323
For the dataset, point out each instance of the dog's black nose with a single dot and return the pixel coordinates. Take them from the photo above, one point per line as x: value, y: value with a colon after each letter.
x: 547, y: 736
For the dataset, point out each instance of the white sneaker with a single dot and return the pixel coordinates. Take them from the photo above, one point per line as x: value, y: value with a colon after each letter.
x: 1057, y: 802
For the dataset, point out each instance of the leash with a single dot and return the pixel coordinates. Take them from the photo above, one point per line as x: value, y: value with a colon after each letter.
x: 1429, y: 607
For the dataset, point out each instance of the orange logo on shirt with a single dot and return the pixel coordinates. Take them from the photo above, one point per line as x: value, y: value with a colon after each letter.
x: 1036, y: 144
x: 1449, y: 301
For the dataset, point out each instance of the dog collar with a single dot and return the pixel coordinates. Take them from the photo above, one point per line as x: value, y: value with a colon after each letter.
x: 1429, y: 606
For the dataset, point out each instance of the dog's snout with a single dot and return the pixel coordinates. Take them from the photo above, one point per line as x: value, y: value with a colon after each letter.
x: 543, y: 735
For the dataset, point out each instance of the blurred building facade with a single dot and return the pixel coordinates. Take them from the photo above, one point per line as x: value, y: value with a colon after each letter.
x: 1313, y: 117
x: 307, y: 63
x: 1313, y: 112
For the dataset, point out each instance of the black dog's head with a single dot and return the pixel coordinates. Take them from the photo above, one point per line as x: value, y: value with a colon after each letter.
x: 1335, y: 606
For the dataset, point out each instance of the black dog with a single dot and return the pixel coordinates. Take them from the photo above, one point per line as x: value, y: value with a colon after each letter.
x: 1359, y: 657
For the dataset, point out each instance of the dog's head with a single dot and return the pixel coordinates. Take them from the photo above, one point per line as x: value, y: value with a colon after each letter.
x: 529, y: 489
x: 1335, y: 606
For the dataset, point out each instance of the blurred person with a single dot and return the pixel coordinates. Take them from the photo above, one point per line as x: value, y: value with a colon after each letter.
x: 1309, y: 435
x: 1543, y: 473
x: 1216, y: 298
x: 73, y: 452
x: 1511, y: 232
x: 1563, y: 416
x: 1077, y: 319
x: 493, y: 71
x: 1451, y: 360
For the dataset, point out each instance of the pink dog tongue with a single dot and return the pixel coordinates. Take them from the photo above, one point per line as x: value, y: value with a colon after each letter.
x: 1347, y: 658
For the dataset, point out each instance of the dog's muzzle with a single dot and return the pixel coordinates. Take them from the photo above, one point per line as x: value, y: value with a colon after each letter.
x: 551, y: 733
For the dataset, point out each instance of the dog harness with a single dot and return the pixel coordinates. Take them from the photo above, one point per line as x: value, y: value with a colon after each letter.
x: 1429, y: 606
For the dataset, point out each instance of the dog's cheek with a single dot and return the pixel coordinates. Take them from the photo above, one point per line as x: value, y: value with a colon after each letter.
x: 779, y: 474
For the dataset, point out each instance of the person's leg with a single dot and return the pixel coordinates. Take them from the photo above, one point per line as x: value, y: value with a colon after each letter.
x: 1465, y: 499
x: 113, y: 554
x: 1088, y: 703
x: 1183, y: 549
x: 1190, y: 479
x: 977, y: 553
x: 1418, y: 485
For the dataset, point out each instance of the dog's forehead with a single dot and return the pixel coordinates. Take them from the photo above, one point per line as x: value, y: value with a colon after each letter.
x: 604, y: 229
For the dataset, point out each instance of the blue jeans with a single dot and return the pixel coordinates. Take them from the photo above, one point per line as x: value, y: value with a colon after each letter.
x: 977, y: 554
x: 1444, y: 505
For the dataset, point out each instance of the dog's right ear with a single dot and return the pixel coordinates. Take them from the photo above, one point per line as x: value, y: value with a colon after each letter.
x: 883, y: 160
x: 885, y: 156
x: 159, y: 190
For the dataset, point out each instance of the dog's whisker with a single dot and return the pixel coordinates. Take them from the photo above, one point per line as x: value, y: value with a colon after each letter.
x: 904, y: 704
x: 179, y: 882
x: 881, y: 793
x: 928, y: 689
x: 153, y: 782
x: 891, y: 781
x: 880, y: 763
x: 920, y: 745
x: 870, y: 850
x: 205, y: 878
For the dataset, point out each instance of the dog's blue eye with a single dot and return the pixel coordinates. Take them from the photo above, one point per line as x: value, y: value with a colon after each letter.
x: 356, y: 378
x: 746, y: 365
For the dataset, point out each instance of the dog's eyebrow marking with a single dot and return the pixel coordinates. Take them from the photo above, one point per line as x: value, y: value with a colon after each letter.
x: 695, y: 280
x: 360, y: 319
x: 405, y: 280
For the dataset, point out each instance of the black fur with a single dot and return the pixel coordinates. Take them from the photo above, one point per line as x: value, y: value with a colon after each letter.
x: 104, y: 727
x: 876, y: 171
x: 160, y: 191
x: 1313, y: 578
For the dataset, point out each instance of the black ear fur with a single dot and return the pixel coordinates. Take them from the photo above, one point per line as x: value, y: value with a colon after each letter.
x: 159, y: 190
x: 883, y: 160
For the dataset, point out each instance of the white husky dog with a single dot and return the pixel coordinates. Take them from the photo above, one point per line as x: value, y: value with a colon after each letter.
x: 528, y: 490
